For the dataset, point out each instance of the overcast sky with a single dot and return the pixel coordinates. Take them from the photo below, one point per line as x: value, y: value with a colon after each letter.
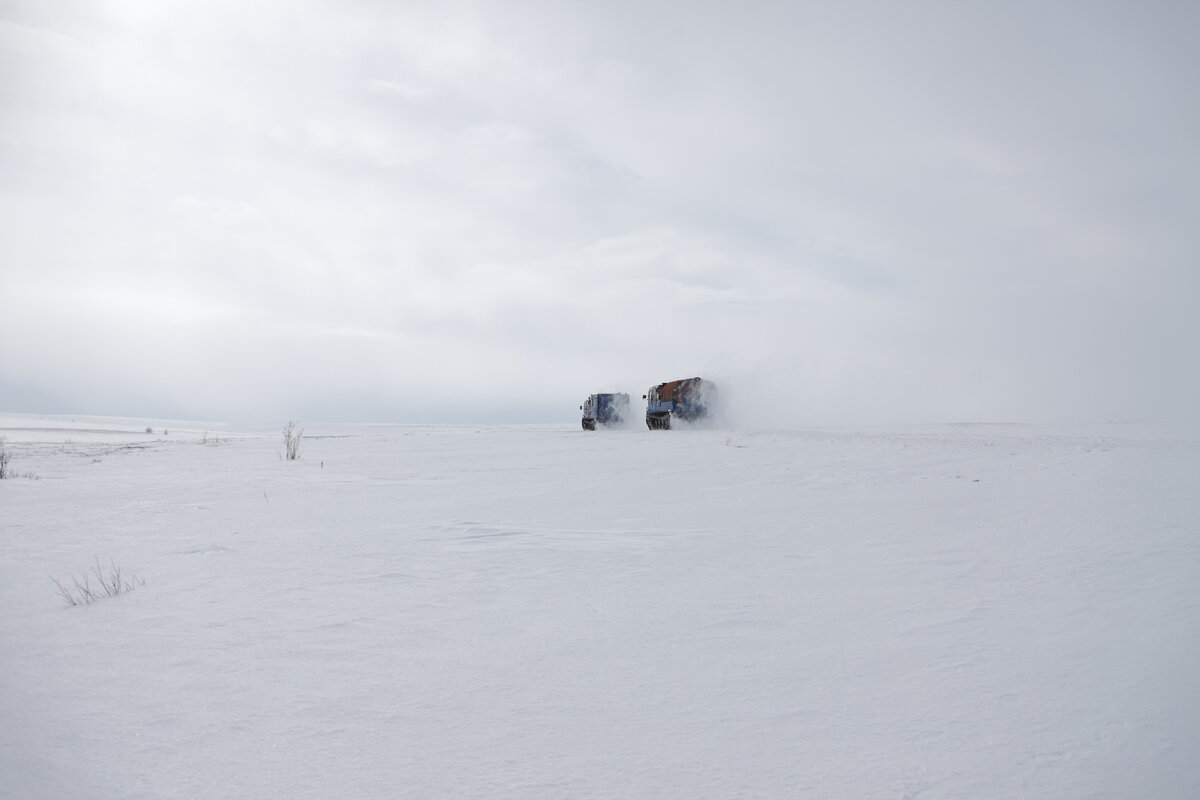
x: 483, y: 212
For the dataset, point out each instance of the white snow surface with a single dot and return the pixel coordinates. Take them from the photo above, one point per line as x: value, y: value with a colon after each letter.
x: 963, y: 611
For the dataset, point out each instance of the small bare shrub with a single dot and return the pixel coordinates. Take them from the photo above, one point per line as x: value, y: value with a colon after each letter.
x: 291, y: 440
x: 109, y: 583
x: 5, y: 458
x: 149, y: 429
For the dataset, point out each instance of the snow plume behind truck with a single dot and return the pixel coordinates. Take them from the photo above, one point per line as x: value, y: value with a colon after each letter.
x: 689, y: 399
x: 606, y: 409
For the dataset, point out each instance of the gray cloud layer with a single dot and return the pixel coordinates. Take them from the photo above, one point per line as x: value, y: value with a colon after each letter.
x: 483, y: 212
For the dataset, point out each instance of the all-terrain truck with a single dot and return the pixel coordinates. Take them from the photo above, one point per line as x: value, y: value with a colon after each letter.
x: 688, y: 399
x: 605, y: 409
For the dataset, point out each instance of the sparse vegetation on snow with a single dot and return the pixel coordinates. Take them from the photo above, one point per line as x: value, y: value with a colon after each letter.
x: 292, y: 434
x: 109, y: 582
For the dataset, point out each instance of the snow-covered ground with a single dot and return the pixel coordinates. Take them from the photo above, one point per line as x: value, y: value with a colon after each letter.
x: 541, y: 612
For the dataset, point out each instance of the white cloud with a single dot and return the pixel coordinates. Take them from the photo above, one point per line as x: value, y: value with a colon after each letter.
x: 336, y: 210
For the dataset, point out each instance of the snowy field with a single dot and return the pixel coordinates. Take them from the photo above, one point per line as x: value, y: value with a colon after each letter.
x: 540, y: 612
